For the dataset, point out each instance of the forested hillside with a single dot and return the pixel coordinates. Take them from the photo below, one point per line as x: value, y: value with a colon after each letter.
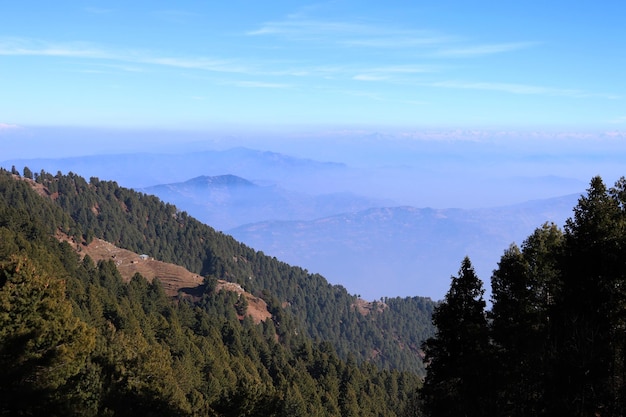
x: 75, y: 339
x: 143, y: 224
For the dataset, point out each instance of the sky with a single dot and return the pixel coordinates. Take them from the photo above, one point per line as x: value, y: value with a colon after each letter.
x: 252, y: 65
x: 447, y: 103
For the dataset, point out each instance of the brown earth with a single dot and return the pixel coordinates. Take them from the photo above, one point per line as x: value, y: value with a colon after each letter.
x: 173, y: 277
x: 367, y: 307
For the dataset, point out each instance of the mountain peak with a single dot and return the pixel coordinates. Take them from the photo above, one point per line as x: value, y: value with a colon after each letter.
x: 220, y: 180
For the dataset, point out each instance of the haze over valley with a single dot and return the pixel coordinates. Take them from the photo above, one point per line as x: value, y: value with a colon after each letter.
x: 392, y: 219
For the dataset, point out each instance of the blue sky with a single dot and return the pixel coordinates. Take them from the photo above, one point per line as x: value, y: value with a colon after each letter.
x: 551, y: 65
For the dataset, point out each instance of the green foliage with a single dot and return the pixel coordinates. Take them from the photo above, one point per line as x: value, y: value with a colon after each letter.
x: 523, y: 295
x: 458, y: 355
x: 78, y: 340
x: 557, y: 344
x: 42, y: 344
x: 144, y: 224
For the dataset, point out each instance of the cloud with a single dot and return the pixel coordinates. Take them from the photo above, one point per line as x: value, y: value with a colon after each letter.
x: 6, y: 128
x: 405, y: 69
x: 398, y: 40
x: 480, y: 50
x: 350, y: 34
x: 618, y: 120
x: 519, y: 89
x: 299, y: 28
x: 201, y: 63
x: 29, y: 47
x: 304, y: 28
x: 369, y: 77
x: 257, y: 84
x: 357, y: 72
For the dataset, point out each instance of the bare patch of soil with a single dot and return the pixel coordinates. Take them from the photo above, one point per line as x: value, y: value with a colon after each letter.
x: 367, y: 307
x: 173, y: 277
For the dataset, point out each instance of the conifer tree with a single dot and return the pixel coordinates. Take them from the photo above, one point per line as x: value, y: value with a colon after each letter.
x: 588, y: 374
x: 457, y: 356
x: 42, y: 344
x: 523, y: 290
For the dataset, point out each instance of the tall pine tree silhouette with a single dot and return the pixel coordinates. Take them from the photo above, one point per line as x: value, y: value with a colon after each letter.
x: 457, y: 383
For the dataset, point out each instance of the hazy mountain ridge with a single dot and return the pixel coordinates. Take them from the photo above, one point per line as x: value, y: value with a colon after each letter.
x: 420, y: 173
x: 402, y: 250
x: 147, y: 169
x: 274, y: 188
x: 229, y: 201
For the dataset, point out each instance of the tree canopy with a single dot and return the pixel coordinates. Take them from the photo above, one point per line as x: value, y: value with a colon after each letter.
x: 556, y: 331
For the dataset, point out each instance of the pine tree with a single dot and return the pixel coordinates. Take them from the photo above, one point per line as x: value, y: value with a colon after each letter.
x: 523, y: 289
x: 457, y: 383
x: 588, y: 373
x: 42, y: 344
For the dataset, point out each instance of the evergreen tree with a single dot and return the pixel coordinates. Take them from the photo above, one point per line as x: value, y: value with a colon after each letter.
x: 523, y: 289
x: 589, y: 328
x: 28, y: 173
x: 457, y: 383
x: 42, y: 344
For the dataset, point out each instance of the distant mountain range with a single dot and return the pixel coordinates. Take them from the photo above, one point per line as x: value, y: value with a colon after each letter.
x: 229, y: 201
x: 147, y: 169
x: 329, y: 218
x: 403, y: 250
x: 370, y: 246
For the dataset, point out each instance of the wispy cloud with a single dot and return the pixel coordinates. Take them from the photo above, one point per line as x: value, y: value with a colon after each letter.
x: 7, y: 126
x: 126, y: 68
x: 300, y: 28
x: 369, y: 77
x: 201, y: 63
x: 391, y: 72
x: 375, y: 96
x: 399, y: 41
x: 257, y: 84
x: 405, y: 69
x: 306, y: 28
x: 519, y: 89
x: 350, y: 34
x: 480, y: 50
x: 28, y: 47
x: 357, y: 72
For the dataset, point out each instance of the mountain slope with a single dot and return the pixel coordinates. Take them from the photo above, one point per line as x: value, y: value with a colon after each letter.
x: 76, y: 339
x: 145, y: 225
x: 174, y: 278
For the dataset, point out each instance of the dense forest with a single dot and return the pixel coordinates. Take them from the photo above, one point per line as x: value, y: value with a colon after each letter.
x: 76, y: 339
x: 554, y: 341
x: 143, y: 224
